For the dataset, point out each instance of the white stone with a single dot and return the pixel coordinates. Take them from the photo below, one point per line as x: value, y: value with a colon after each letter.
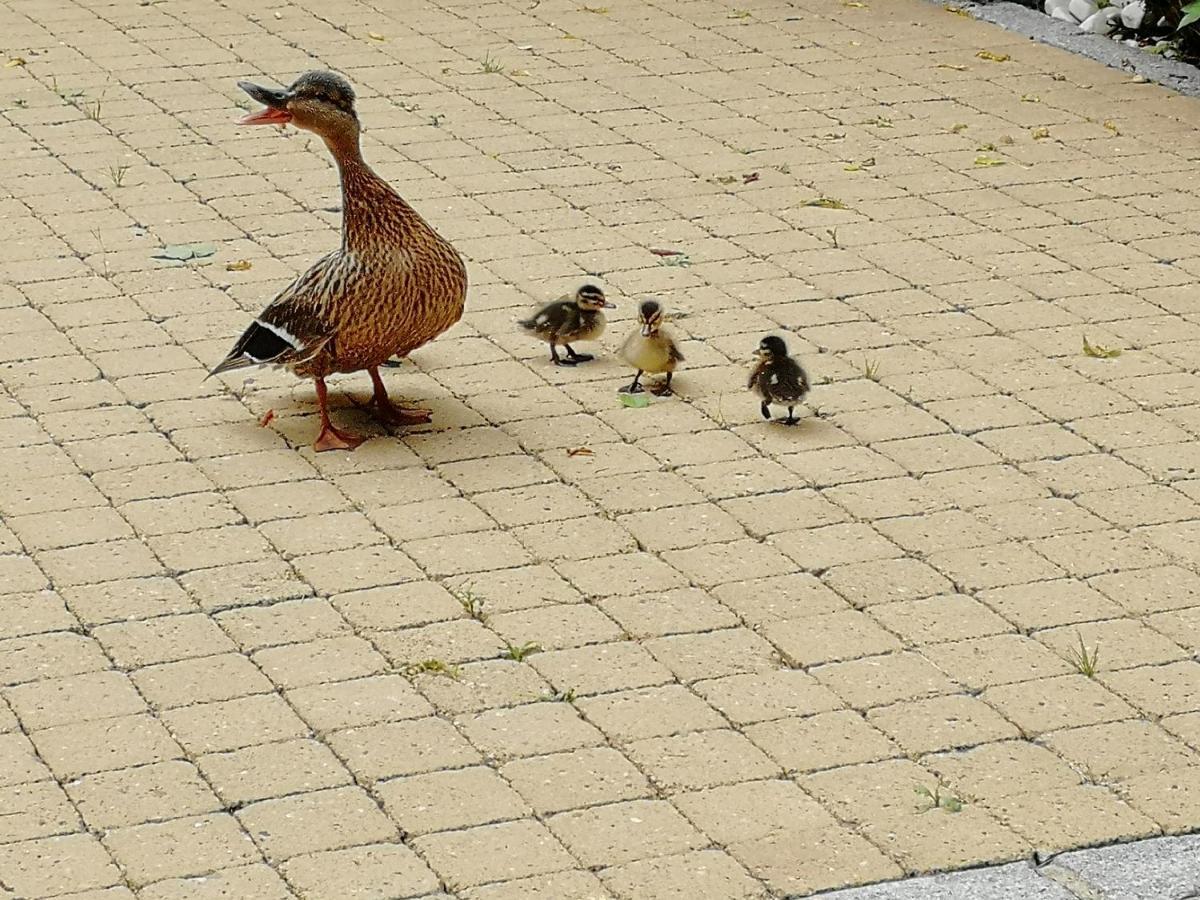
x: 1097, y: 23
x: 1064, y: 15
x: 1132, y: 14
x: 1053, y: 6
x: 1083, y: 10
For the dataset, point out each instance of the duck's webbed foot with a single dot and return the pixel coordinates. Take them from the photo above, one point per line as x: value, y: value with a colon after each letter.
x: 388, y: 412
x: 558, y: 360
x: 577, y: 357
x: 791, y: 417
x: 664, y: 389
x: 331, y: 438
x: 633, y: 387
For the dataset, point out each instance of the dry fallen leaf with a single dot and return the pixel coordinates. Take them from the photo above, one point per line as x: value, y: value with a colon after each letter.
x: 988, y: 161
x: 957, y: 127
x: 993, y: 57
x: 1097, y: 352
x: 957, y: 10
x: 854, y: 4
x: 1111, y: 126
x: 598, y: 10
x: 658, y: 252
x: 240, y: 265
x: 14, y: 62
x: 1040, y: 133
x: 266, y: 419
x: 750, y: 178
x: 951, y: 66
x: 376, y: 36
x: 825, y: 203
x: 726, y: 179
x: 580, y: 451
x: 1030, y: 98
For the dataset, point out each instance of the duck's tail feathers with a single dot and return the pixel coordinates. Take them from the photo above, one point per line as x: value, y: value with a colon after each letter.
x: 261, y: 344
x: 527, y: 324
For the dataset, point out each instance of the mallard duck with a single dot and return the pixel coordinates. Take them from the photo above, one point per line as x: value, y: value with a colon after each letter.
x: 572, y: 317
x: 393, y: 285
x: 778, y: 378
x: 650, y: 349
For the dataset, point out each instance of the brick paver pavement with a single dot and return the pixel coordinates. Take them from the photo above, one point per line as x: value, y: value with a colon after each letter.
x: 232, y: 668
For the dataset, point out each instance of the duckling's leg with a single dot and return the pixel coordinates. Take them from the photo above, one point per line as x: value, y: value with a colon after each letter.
x: 331, y: 438
x: 791, y: 419
x: 578, y: 357
x: 559, y: 361
x: 766, y: 411
x: 389, y: 412
x: 664, y: 389
x: 633, y: 388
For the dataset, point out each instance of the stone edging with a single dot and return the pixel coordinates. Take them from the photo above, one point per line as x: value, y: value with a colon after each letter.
x: 1036, y: 25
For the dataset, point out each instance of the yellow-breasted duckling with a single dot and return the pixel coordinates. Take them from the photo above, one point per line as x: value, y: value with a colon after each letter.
x: 393, y: 285
x: 778, y: 378
x: 572, y: 317
x: 651, y: 350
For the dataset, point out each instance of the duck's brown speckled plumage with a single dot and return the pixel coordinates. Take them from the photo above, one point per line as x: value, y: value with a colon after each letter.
x: 393, y: 285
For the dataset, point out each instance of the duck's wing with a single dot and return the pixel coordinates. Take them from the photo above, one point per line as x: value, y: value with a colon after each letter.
x: 296, y: 325
x: 673, y: 351
x: 553, y: 319
x: 788, y: 381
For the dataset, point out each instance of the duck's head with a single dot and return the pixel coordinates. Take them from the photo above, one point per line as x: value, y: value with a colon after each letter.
x: 772, y: 347
x: 589, y: 296
x: 318, y: 101
x: 650, y: 315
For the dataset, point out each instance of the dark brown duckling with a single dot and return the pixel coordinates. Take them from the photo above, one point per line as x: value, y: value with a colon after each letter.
x: 570, y: 318
x: 778, y: 378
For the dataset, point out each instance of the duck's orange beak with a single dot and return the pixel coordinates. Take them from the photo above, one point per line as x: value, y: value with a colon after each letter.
x: 275, y: 101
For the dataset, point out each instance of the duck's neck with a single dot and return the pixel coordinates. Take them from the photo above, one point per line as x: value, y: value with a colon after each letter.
x: 372, y: 212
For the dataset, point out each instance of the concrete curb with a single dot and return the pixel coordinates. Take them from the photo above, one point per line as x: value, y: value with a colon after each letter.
x: 1171, y: 73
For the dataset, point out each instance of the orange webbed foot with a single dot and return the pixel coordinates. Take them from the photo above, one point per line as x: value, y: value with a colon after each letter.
x: 332, y: 438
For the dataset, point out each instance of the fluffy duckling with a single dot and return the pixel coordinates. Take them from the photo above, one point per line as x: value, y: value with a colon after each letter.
x: 572, y: 317
x: 650, y: 349
x: 778, y: 378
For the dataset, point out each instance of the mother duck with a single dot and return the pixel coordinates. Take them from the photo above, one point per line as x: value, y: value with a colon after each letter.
x: 393, y: 285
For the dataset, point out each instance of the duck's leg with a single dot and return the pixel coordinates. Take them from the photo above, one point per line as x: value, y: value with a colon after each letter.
x: 633, y: 388
x: 578, y: 357
x: 389, y: 412
x: 664, y: 389
x: 558, y: 360
x: 331, y: 438
x: 791, y: 418
x: 765, y: 410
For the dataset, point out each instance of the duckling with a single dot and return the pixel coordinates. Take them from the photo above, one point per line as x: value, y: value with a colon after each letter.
x: 572, y: 317
x: 650, y: 349
x: 778, y: 378
x: 393, y: 285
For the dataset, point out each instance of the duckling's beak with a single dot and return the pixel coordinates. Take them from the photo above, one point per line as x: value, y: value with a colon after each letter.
x: 609, y: 305
x: 646, y: 329
x: 275, y: 101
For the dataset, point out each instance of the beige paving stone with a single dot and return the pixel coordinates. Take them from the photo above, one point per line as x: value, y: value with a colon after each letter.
x: 204, y: 680
x: 272, y: 770
x: 530, y: 730
x: 76, y: 862
x: 79, y: 698
x: 575, y: 779
x: 831, y: 637
x: 36, y: 810
x: 362, y: 701
x: 255, y: 880
x: 374, y: 871
x: 86, y: 747
x: 624, y: 832
x: 821, y: 741
x: 805, y: 859
x: 142, y: 794
x: 232, y: 724
x: 441, y: 801
x: 489, y: 853
x: 402, y: 748
x: 180, y: 848
x: 313, y: 822
x: 707, y: 874
x: 574, y: 885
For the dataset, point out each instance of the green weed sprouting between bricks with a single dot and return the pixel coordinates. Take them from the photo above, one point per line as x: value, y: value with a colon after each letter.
x: 870, y: 369
x: 567, y: 696
x: 432, y: 667
x: 938, y: 800
x: 471, y: 603
x: 1084, y: 660
x: 517, y: 653
x: 490, y: 65
x: 117, y: 174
